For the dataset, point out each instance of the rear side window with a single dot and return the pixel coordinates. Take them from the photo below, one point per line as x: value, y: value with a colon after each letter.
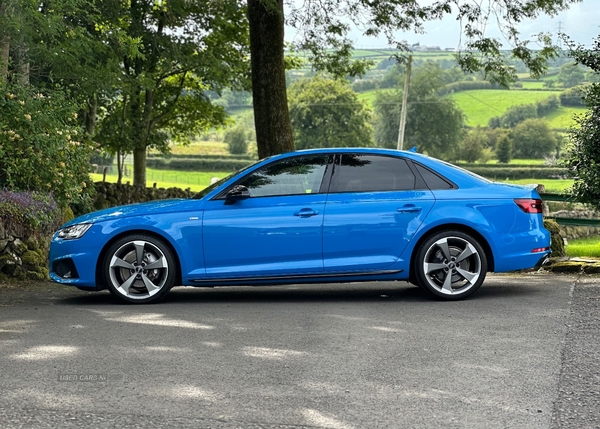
x: 433, y: 180
x: 372, y: 173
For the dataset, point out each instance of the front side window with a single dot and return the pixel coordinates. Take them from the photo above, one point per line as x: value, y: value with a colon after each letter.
x: 290, y: 176
x: 372, y: 173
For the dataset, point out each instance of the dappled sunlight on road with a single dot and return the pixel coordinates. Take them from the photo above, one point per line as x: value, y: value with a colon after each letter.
x: 16, y: 326
x: 387, y: 329
x: 157, y: 319
x: 189, y: 392
x: 273, y: 354
x: 317, y: 418
x: 168, y: 349
x: 39, y: 398
x: 322, y: 387
x: 45, y: 353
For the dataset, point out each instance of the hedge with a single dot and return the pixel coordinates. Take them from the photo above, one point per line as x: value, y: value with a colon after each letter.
x: 469, y: 85
x: 512, y: 173
x: 191, y: 164
x: 200, y: 156
x: 469, y: 166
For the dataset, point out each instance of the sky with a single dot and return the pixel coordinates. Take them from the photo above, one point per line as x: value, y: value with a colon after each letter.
x: 581, y: 22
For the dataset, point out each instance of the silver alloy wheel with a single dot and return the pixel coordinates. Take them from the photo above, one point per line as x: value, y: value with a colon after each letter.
x: 138, y: 269
x: 452, y: 265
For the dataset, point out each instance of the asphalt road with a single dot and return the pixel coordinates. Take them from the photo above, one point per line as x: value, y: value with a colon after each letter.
x: 522, y: 353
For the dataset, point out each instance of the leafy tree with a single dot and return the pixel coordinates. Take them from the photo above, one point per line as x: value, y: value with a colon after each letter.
x: 514, y: 115
x: 570, y: 75
x: 473, y: 145
x: 433, y: 123
x: 550, y: 104
x: 327, y: 113
x: 494, y: 135
x: 184, y: 49
x: 323, y: 26
x: 533, y: 138
x: 236, y: 140
x: 573, y: 97
x: 504, y: 148
x: 583, y: 158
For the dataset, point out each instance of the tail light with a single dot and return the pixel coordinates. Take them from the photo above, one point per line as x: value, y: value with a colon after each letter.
x: 529, y: 205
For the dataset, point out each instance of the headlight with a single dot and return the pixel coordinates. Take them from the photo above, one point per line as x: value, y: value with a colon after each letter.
x: 73, y: 232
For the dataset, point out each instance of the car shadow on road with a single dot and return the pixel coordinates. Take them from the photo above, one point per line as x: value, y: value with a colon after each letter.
x: 353, y: 292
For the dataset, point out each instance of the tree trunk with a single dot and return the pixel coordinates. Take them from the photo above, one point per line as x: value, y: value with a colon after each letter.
x: 271, y: 114
x: 120, y: 161
x: 139, y: 166
x: 90, y: 116
x: 4, y: 57
x: 22, y: 66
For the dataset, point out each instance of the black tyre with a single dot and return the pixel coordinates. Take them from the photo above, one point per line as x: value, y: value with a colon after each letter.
x: 450, y: 265
x: 139, y: 269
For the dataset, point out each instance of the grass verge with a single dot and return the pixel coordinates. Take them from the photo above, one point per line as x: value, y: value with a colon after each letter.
x: 584, y: 247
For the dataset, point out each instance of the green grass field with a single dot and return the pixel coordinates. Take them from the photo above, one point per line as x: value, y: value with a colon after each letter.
x: 369, y: 97
x: 195, y: 180
x: 533, y: 85
x: 199, y: 147
x: 584, y: 247
x: 563, y: 118
x: 479, y: 106
x: 482, y: 104
x: 553, y: 186
x: 521, y: 161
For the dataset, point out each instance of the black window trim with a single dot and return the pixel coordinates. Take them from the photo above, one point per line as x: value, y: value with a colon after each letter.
x: 453, y: 185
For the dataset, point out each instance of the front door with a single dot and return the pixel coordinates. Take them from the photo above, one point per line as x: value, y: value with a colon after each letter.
x: 277, y: 230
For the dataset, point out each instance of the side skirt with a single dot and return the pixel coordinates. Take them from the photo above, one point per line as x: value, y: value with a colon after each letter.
x: 312, y: 277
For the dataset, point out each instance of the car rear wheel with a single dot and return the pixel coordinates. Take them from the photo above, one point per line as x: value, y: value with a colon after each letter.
x: 450, y: 265
x: 139, y: 269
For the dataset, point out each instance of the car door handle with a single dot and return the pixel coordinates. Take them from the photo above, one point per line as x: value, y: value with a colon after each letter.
x: 409, y: 208
x: 306, y: 213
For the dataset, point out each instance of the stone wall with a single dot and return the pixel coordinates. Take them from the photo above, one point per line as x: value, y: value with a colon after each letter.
x: 112, y: 194
x: 574, y: 232
x: 23, y: 258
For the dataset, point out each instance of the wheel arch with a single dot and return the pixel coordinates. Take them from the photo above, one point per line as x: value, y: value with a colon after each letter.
x: 454, y: 227
x: 99, y: 279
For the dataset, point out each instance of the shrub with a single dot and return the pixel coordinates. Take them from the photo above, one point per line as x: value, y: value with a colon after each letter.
x: 41, y: 145
x: 29, y: 213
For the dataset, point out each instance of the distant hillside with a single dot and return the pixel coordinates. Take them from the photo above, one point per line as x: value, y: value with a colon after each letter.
x: 481, y: 105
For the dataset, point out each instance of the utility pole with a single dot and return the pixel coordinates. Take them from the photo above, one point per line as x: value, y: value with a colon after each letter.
x: 558, y: 38
x: 404, y: 103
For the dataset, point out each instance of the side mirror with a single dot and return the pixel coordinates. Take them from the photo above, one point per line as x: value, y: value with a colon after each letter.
x: 239, y: 192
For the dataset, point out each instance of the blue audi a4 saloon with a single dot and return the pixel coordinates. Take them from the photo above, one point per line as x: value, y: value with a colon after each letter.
x: 314, y: 216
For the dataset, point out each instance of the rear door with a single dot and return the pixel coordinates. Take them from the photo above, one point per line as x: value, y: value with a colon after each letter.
x: 375, y: 205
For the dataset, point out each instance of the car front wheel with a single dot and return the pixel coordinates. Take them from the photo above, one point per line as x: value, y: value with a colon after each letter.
x: 139, y: 269
x: 450, y: 265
